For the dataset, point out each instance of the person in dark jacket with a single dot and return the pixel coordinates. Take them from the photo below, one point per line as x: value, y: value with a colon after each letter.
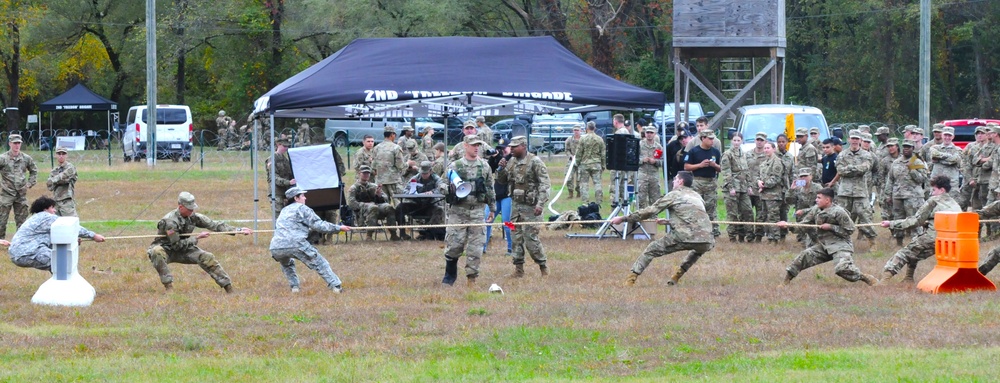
x: 503, y: 196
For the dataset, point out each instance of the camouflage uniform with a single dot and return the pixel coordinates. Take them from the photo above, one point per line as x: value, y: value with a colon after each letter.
x: 282, y: 176
x: 969, y: 156
x: 390, y: 163
x: 289, y: 243
x: 592, y: 161
x: 370, y: 204
x: 413, y: 159
x: 484, y: 133
x: 572, y: 146
x: 803, y: 198
x: 922, y: 246
x: 174, y: 248
x: 807, y: 159
x: 789, y: 162
x: 754, y: 159
x: 735, y: 179
x: 427, y: 145
x: 439, y: 166
x: 471, y: 239
x: 221, y: 124
x: 772, y: 173
x: 884, y: 198
x: 32, y: 244
x: 403, y: 139
x: 905, y: 184
x: 987, y: 212
x: 946, y: 161
x: 529, y: 189
x: 60, y: 183
x: 303, y: 136
x: 982, y: 172
x: 648, y: 185
x: 18, y: 174
x: 852, y: 190
x: 364, y: 157
x: 433, y: 184
x: 690, y: 229
x: 834, y: 244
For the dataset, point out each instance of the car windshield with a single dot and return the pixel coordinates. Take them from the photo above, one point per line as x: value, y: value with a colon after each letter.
x: 166, y: 116
x: 560, y: 117
x: 774, y: 124
x: 965, y: 133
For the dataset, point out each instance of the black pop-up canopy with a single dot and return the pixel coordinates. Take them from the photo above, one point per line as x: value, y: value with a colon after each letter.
x: 447, y: 76
x: 78, y: 99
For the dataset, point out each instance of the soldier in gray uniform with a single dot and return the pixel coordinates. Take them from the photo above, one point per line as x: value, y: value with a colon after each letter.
x: 833, y: 241
x: 371, y: 203
x: 466, y: 210
x: 922, y: 246
x: 592, y: 161
x: 528, y: 179
x: 283, y: 177
x: 650, y: 169
x: 17, y: 174
x: 852, y: 194
x: 366, y: 155
x: 389, y: 163
x: 946, y: 159
x: 690, y: 228
x: 174, y: 246
x: 32, y: 244
x: 289, y: 241
x: 61, y: 182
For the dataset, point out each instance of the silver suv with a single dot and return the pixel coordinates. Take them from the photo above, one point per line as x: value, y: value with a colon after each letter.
x: 554, y: 129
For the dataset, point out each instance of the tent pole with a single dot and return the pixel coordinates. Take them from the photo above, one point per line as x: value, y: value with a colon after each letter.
x: 109, y: 137
x: 274, y: 215
x: 253, y: 165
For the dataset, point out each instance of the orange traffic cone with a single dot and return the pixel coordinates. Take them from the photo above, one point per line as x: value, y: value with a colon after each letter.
x: 957, y: 252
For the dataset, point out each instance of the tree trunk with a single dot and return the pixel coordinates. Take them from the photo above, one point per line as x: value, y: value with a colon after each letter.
x: 13, y: 74
x: 181, y: 50
x: 985, y: 104
x: 276, y: 9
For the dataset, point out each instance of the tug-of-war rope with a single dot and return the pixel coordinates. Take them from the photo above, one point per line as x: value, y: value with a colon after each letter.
x: 513, y: 225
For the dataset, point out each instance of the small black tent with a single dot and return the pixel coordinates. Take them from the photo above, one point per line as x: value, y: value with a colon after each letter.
x: 78, y: 99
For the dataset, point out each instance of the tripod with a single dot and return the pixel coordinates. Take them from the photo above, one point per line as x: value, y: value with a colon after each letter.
x: 622, y: 203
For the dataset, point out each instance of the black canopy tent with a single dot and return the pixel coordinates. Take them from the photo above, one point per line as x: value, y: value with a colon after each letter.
x: 78, y: 99
x: 450, y: 76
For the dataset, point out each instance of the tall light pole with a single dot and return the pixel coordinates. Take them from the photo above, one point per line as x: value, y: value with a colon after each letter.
x: 151, y: 83
x: 925, y: 67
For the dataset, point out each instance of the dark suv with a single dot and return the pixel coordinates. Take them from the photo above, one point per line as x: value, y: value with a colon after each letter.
x: 665, y: 121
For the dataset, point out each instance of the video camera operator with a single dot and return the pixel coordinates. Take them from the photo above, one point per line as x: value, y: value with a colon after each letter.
x: 495, y: 157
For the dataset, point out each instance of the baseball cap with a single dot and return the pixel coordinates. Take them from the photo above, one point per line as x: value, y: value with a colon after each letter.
x: 14, y: 138
x: 62, y: 149
x: 472, y: 140
x: 518, y: 141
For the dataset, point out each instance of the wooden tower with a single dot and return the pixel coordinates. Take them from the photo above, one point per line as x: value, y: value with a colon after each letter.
x: 724, y: 30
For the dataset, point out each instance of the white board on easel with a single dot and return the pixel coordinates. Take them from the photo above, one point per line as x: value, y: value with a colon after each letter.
x: 71, y: 142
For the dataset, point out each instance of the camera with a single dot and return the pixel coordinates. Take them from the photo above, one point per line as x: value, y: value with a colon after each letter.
x: 490, y: 152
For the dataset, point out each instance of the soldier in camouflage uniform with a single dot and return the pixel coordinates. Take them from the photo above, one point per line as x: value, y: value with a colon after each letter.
x: 406, y: 137
x: 459, y: 150
x: 592, y: 161
x: 833, y: 241
x: 283, y: 177
x: 427, y: 182
x: 439, y: 162
x: 690, y: 228
x: 427, y: 143
x: 221, y: 124
x: 390, y: 163
x: 982, y: 169
x: 650, y: 169
x: 994, y: 160
x: 771, y: 186
x: 61, y: 183
x: 371, y: 203
x: 904, y: 184
x: 366, y: 155
x: 174, y: 246
x: 735, y: 185
x: 413, y: 159
x: 781, y: 151
x: 484, y: 132
x: 970, y: 157
x: 808, y: 154
x: 852, y: 194
x: 468, y: 239
x: 289, y: 242
x: 882, y: 135
x: 703, y: 162
x: 572, y: 146
x: 990, y: 211
x: 18, y: 174
x: 32, y: 244
x: 946, y: 159
x: 816, y: 142
x: 883, y: 195
x: 925, y: 151
x: 802, y: 196
x: 528, y: 179
x: 754, y: 158
x: 303, y: 137
x: 922, y: 246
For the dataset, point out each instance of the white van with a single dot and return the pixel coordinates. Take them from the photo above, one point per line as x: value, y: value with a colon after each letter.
x: 770, y: 120
x: 174, y: 132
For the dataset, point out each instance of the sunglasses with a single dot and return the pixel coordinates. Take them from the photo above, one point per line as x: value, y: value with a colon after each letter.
x: 760, y: 139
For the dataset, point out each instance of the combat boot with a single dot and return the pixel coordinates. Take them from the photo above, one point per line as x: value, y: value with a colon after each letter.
x: 886, y: 277
x: 228, y: 288
x: 370, y: 236
x: 678, y: 273
x: 630, y: 281
x: 899, y: 241
x: 787, y: 280
x: 169, y: 286
x: 450, y: 272
x: 470, y: 281
x: 869, y: 279
x: 544, y: 270
x: 518, y: 271
x: 910, y: 270
x: 393, y: 236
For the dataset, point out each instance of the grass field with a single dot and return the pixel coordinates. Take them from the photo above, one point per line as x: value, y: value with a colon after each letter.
x: 725, y: 321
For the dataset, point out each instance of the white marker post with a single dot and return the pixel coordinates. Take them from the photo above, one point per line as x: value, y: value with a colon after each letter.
x: 66, y: 287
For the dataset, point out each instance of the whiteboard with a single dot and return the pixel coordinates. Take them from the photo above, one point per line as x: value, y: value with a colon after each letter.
x: 314, y: 167
x: 71, y: 142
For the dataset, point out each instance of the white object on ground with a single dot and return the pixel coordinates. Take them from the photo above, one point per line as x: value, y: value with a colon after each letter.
x: 66, y: 287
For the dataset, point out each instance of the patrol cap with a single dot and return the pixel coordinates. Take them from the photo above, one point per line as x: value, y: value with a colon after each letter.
x: 649, y: 128
x: 982, y: 129
x: 407, y: 128
x: 411, y: 144
x: 426, y: 166
x: 892, y: 141
x: 428, y: 128
x: 865, y: 128
x: 187, y: 200
x: 293, y: 192
x: 948, y: 130
x: 882, y: 130
x: 472, y: 140
x: 389, y: 128
x: 814, y: 130
x: 909, y: 128
x: 481, y: 119
x: 518, y: 141
x: 62, y: 149
x: 14, y: 138
x: 867, y: 137
x: 937, y: 128
x: 917, y: 131
x: 760, y: 136
x: 469, y: 123
x: 222, y: 113
x: 364, y: 169
x: 283, y: 141
x: 801, y: 132
x: 577, y: 127
x: 854, y: 133
x: 805, y: 172
x: 707, y: 133
x: 996, y: 129
x: 908, y: 143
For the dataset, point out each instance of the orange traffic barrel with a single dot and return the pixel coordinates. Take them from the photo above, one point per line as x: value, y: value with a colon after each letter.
x: 957, y: 251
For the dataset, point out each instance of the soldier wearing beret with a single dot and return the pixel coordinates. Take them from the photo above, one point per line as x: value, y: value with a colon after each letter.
x: 18, y: 173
